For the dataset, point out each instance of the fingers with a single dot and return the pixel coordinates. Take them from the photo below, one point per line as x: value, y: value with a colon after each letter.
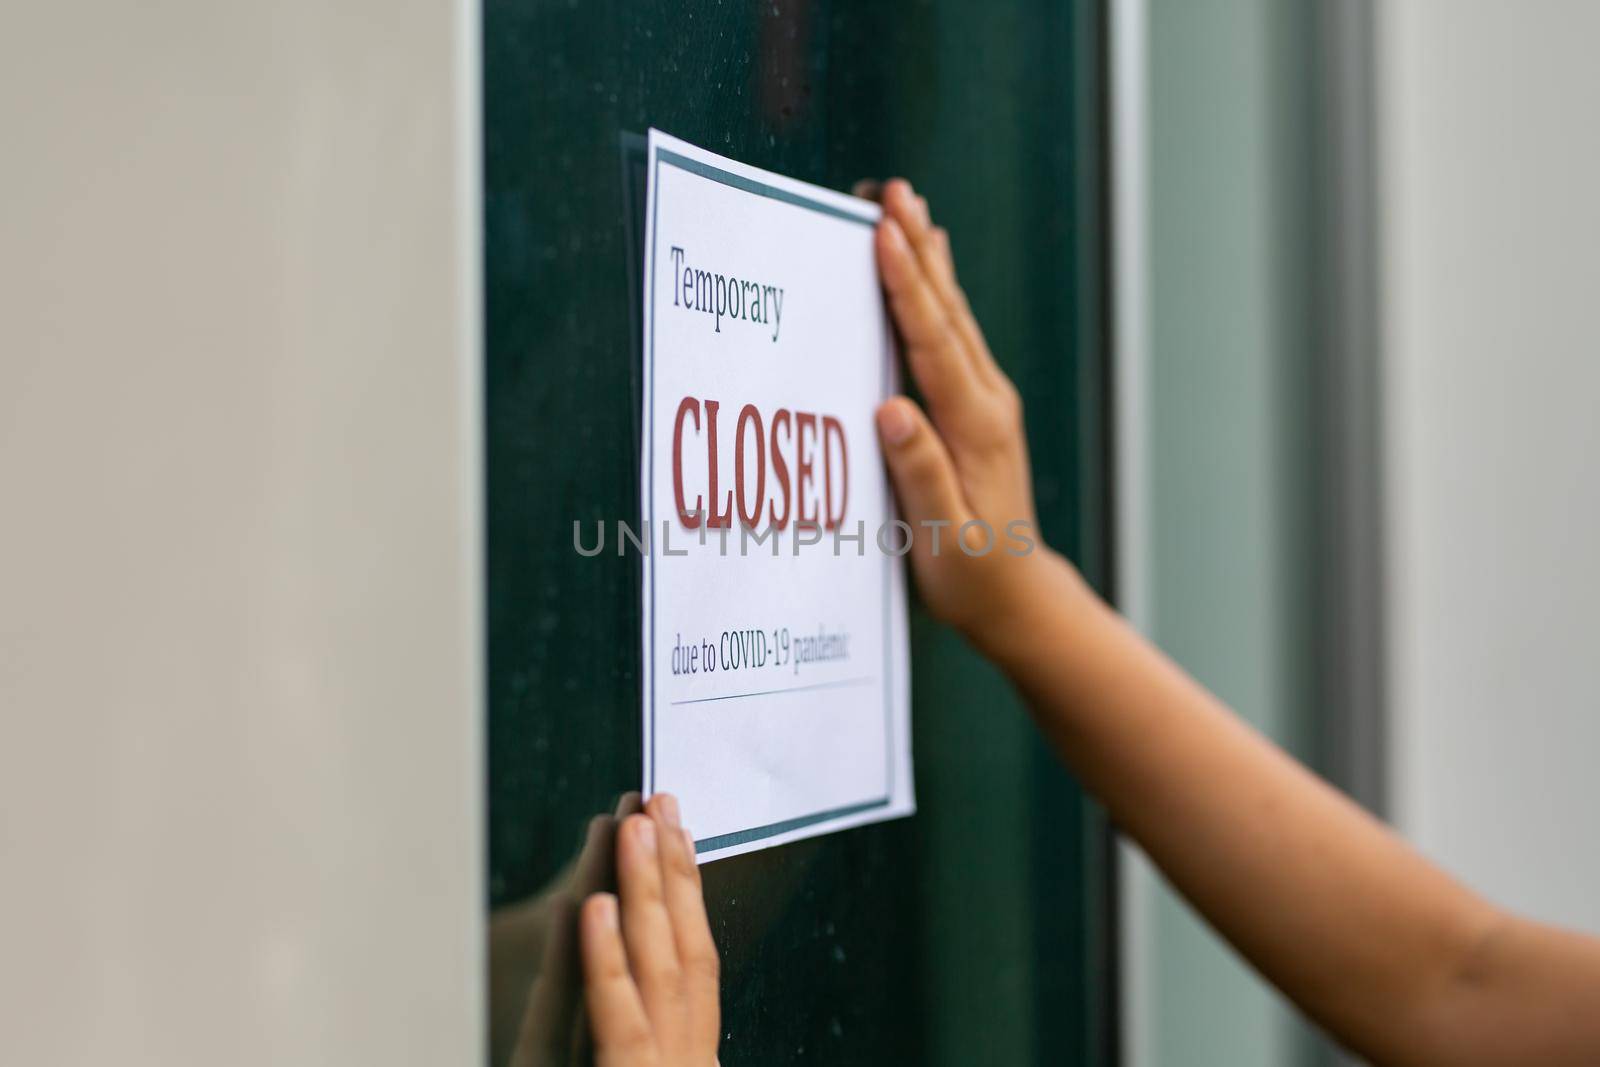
x: 924, y: 476
x: 646, y: 925
x: 616, y: 1011
x: 593, y: 867
x: 649, y: 960
x: 935, y: 349
x: 931, y: 244
x: 686, y: 905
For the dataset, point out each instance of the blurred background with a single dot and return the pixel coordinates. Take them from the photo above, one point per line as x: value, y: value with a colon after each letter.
x: 1359, y: 351
x: 1337, y: 264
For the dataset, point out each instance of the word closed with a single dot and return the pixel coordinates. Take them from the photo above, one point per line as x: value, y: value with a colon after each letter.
x: 804, y: 453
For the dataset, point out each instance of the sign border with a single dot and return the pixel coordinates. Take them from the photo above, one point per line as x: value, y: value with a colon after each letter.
x: 743, y: 183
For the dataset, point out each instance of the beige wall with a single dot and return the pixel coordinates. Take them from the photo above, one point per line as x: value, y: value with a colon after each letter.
x: 239, y: 534
x: 1491, y: 165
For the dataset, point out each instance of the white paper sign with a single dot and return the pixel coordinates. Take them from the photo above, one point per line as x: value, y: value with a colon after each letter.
x: 776, y: 678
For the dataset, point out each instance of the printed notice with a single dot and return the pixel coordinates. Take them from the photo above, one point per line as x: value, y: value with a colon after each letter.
x: 776, y: 672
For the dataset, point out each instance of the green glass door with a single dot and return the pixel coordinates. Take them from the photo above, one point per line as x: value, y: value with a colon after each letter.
x: 978, y: 931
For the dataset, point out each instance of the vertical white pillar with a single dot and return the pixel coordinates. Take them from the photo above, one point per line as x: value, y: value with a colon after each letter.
x: 240, y: 682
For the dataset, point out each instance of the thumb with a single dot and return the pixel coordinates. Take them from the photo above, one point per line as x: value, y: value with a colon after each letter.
x: 919, y: 465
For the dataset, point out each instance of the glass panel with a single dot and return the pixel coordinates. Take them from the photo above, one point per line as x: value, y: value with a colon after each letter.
x: 976, y: 932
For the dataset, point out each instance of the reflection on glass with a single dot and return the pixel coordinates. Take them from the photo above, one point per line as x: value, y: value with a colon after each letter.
x: 535, y: 973
x: 536, y: 1016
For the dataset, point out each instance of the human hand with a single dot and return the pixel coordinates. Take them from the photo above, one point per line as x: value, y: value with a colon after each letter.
x: 535, y: 978
x: 960, y: 471
x: 650, y: 966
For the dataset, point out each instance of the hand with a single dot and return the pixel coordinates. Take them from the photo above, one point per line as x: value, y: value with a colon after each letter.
x: 650, y: 966
x: 963, y: 478
x: 535, y: 1001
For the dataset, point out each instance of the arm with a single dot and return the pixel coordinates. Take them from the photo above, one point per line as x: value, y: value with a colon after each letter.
x: 1385, y: 950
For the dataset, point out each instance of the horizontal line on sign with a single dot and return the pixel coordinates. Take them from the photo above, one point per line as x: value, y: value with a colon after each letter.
x: 744, y: 837
x: 760, y: 188
x: 845, y: 684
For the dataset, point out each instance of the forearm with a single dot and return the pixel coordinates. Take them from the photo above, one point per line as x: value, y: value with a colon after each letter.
x: 1394, y: 957
x: 1331, y: 907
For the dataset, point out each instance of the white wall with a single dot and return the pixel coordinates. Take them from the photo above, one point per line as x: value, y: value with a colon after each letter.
x: 1490, y: 166
x: 239, y: 608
